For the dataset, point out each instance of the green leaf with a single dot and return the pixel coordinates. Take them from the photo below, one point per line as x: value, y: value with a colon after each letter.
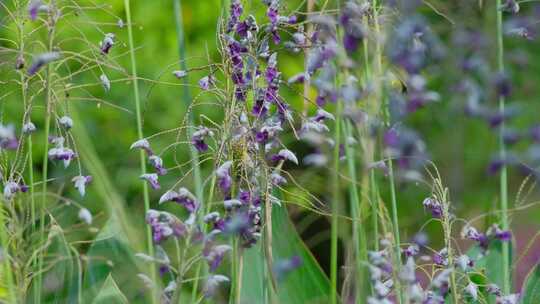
x: 110, y: 293
x: 531, y: 287
x: 306, y: 285
x: 62, y: 278
x: 489, y: 265
x: 108, y: 255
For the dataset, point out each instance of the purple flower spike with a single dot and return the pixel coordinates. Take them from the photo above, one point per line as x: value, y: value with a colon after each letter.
x: 223, y: 174
x: 152, y: 180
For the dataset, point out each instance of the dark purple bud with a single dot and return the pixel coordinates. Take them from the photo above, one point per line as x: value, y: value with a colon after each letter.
x: 434, y: 206
x: 503, y: 85
x: 107, y: 43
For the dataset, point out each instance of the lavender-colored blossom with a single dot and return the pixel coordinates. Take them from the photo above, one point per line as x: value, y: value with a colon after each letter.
x: 66, y: 122
x: 179, y: 74
x: 212, y: 284
x: 285, y: 154
x: 182, y: 197
x: 10, y: 189
x: 8, y: 140
x: 277, y: 179
x: 434, y: 206
x: 224, y: 178
x: 36, y: 6
x: 157, y: 163
x: 206, y: 82
x: 41, y: 60
x: 298, y: 78
x: 198, y: 137
x: 231, y: 204
x: 472, y: 290
x: 236, y: 10
x: 61, y: 153
x: 107, y: 43
x: 214, y: 256
x: 152, y: 180
x: 511, y: 6
x: 85, y: 216
x: 464, y: 263
x: 28, y: 128
x: 142, y: 144
x: 80, y: 182
x: 105, y: 82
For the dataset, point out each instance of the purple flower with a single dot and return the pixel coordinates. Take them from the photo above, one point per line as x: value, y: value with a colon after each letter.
x: 152, y: 180
x: 182, y: 197
x: 107, y: 43
x: 157, y: 163
x: 285, y: 154
x: 66, y: 122
x: 277, y: 179
x: 198, y: 138
x: 34, y: 7
x: 499, y: 234
x: 224, y: 178
x: 234, y: 15
x: 180, y: 74
x: 434, y: 206
x: 80, y: 182
x: 61, y: 153
x: 511, y: 6
x: 41, y: 60
x: 206, y: 82
x: 213, y: 283
x: 8, y: 140
x: 503, y: 85
x: 10, y: 189
x: 142, y: 144
x: 215, y: 255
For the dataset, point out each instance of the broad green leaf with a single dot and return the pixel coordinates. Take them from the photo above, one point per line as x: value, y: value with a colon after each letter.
x: 489, y: 265
x: 531, y: 287
x: 110, y: 293
x: 108, y: 255
x: 306, y: 285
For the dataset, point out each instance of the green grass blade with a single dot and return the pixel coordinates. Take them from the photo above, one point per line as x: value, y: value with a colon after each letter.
x: 306, y: 285
x: 531, y: 287
x: 110, y: 293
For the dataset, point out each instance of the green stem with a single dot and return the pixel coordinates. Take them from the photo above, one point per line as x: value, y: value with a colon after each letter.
x: 7, y: 266
x: 335, y: 210
x: 359, y: 234
x: 502, y: 151
x: 374, y: 209
x: 142, y: 159
x: 48, y: 101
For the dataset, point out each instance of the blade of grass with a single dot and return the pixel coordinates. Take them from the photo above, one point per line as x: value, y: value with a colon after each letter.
x: 142, y: 160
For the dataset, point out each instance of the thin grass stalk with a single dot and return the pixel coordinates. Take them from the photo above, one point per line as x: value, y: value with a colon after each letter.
x: 393, y: 200
x: 186, y: 96
x: 142, y: 160
x: 335, y: 210
x: 48, y: 110
x: 502, y: 152
x: 8, y: 272
x: 359, y: 234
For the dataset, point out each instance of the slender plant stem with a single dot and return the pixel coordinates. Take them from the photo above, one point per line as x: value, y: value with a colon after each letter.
x: 142, y: 160
x: 310, y: 5
x: 359, y: 234
x: 8, y: 272
x: 335, y: 210
x: 48, y: 109
x: 502, y: 151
